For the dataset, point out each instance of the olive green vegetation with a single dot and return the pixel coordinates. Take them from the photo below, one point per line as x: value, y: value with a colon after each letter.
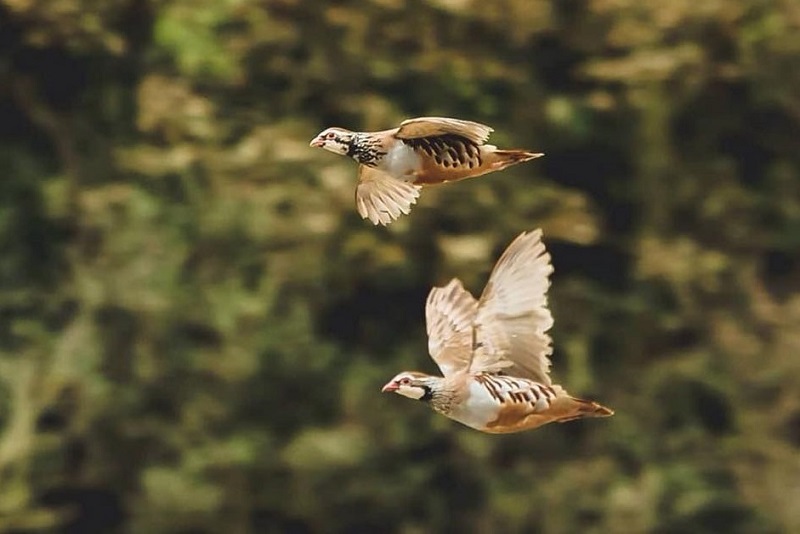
x: 196, y: 324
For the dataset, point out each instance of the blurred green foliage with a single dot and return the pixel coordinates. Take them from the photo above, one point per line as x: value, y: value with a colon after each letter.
x: 196, y: 324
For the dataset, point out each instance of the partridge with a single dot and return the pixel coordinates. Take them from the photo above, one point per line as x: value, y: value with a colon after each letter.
x: 494, y: 352
x: 394, y: 164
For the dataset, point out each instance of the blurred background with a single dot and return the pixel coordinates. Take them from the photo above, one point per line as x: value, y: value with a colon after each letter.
x: 195, y: 324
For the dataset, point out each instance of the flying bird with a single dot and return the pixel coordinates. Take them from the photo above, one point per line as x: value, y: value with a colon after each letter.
x: 494, y: 352
x: 394, y: 164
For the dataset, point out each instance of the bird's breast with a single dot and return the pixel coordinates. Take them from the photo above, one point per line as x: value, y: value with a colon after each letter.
x: 478, y: 407
x: 401, y: 161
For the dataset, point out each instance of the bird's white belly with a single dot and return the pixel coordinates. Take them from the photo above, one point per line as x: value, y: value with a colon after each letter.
x: 401, y: 161
x: 478, y: 410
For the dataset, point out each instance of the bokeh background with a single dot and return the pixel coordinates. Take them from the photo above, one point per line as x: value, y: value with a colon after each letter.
x: 195, y: 323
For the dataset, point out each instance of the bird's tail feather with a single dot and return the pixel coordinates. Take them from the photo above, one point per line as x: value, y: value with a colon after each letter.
x: 506, y: 158
x: 585, y: 408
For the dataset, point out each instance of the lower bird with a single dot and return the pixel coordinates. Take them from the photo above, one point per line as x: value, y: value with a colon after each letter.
x: 494, y: 352
x: 394, y: 164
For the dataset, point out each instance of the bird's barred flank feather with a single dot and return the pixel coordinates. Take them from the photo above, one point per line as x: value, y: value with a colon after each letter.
x: 508, y: 389
x: 449, y: 150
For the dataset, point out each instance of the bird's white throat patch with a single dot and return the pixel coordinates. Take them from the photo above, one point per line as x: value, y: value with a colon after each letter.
x: 412, y: 392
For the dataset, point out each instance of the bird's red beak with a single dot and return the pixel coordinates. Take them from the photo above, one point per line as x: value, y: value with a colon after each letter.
x: 388, y: 388
x: 317, y: 142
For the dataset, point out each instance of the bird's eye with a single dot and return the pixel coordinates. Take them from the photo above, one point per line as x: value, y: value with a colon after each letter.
x: 330, y: 135
x: 405, y: 381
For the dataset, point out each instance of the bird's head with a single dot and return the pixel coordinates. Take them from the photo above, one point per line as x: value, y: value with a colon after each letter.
x: 413, y: 385
x: 336, y: 140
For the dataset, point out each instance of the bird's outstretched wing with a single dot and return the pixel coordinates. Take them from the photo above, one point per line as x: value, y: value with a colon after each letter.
x: 382, y: 198
x: 512, y: 317
x: 436, y: 126
x: 449, y: 314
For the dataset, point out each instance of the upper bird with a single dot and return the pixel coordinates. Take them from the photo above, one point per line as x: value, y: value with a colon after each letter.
x: 493, y: 352
x: 396, y: 163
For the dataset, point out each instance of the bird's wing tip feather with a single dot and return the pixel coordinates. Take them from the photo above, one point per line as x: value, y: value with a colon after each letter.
x: 382, y: 198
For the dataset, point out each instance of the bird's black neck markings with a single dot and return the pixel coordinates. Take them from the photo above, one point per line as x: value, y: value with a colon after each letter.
x: 365, y: 150
x: 428, y: 395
